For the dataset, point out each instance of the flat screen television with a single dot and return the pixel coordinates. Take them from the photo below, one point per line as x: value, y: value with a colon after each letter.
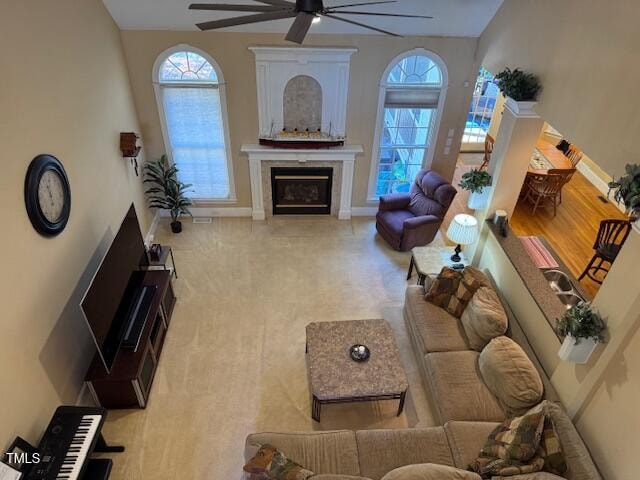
x: 107, y: 301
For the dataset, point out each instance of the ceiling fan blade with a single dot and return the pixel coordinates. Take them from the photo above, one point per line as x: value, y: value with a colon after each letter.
x: 282, y: 3
x: 361, y: 4
x: 232, y: 22
x: 234, y: 8
x: 300, y: 27
x: 362, y: 25
x: 349, y: 12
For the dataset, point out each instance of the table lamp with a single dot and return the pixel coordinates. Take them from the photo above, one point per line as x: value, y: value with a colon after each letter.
x: 463, y: 230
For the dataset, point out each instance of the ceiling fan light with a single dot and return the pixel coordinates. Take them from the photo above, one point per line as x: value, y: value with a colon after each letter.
x: 317, y: 19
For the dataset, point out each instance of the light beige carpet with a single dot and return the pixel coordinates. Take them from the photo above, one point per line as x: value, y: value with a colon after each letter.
x: 234, y: 362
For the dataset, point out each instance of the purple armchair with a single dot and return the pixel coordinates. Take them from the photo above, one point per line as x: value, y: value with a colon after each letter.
x: 407, y: 220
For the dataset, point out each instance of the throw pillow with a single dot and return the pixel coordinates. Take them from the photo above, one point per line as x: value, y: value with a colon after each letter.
x: 532, y: 476
x: 452, y: 291
x: 484, y: 318
x: 511, y: 448
x: 478, y: 275
x: 271, y: 464
x: 550, y: 449
x: 429, y: 471
x: 466, y: 289
x: 443, y: 287
x: 510, y: 376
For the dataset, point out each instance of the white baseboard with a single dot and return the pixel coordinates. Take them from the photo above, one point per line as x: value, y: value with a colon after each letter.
x: 216, y: 212
x: 364, y: 211
x: 597, y: 182
x: 148, y: 239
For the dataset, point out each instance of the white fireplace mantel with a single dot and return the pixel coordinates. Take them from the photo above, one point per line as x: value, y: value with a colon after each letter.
x: 258, y: 154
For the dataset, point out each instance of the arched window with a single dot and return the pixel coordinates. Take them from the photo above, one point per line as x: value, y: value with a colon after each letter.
x: 193, y: 113
x: 409, y: 109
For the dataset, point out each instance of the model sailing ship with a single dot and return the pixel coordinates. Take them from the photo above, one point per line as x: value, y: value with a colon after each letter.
x: 301, y: 139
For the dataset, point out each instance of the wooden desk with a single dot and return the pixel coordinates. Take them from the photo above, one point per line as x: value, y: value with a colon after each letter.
x: 551, y: 153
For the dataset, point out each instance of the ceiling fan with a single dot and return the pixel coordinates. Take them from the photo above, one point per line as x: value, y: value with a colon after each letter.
x: 304, y: 11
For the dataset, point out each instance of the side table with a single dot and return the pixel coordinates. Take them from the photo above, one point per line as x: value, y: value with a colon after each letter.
x: 165, y: 253
x: 422, y: 259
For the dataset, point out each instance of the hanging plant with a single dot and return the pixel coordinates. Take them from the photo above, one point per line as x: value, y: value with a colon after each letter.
x: 519, y: 85
x: 475, y: 180
x: 627, y: 190
x: 581, y: 322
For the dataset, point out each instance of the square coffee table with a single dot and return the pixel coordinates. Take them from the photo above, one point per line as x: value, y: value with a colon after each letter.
x: 336, y: 378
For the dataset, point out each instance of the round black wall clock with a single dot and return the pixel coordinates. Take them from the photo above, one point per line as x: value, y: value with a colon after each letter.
x: 47, y: 195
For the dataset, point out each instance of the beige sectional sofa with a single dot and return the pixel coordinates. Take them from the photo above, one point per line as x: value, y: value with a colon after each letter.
x: 371, y: 454
x: 449, y: 366
x: 467, y: 408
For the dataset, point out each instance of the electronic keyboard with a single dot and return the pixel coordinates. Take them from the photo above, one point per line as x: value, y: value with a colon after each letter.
x: 72, y: 435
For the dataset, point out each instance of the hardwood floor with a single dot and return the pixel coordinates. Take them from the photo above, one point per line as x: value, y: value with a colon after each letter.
x: 571, y: 232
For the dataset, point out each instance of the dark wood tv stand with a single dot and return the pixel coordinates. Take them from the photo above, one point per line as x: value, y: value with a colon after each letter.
x: 129, y: 382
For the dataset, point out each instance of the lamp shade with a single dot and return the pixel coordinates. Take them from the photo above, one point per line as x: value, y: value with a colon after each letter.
x: 463, y: 229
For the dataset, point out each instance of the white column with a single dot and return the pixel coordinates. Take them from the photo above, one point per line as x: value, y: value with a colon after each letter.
x: 346, y: 191
x: 515, y: 142
x: 255, y: 178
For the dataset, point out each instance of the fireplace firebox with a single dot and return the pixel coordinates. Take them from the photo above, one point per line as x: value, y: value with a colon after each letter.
x: 301, y: 191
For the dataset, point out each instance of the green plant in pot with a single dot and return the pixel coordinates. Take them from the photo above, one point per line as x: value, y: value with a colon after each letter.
x: 627, y: 190
x: 518, y: 85
x: 583, y: 328
x: 476, y: 181
x: 166, y: 191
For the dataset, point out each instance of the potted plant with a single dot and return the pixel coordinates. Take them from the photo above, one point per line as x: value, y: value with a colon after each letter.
x: 520, y: 88
x: 476, y: 181
x: 583, y: 329
x: 627, y: 191
x: 166, y: 191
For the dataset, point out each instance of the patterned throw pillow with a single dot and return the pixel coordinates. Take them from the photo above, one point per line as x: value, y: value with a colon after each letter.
x: 466, y: 288
x: 443, y: 287
x: 512, y: 448
x: 271, y: 464
x: 452, y: 290
x: 550, y: 449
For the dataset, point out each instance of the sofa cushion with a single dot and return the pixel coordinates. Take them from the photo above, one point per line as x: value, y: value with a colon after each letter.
x: 429, y: 471
x: 457, y: 389
x: 331, y: 476
x: 510, y: 375
x: 467, y: 439
x: 484, y: 318
x: 383, y: 450
x: 269, y: 462
x: 435, y: 329
x: 580, y: 466
x: 320, y: 452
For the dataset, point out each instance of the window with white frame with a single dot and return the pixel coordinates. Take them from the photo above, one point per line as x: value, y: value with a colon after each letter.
x: 410, y: 97
x: 192, y: 107
x: 481, y: 109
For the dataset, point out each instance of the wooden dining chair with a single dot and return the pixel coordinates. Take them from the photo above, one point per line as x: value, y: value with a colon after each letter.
x: 611, y: 236
x: 567, y: 174
x: 544, y: 188
x: 489, y: 141
x: 574, y: 154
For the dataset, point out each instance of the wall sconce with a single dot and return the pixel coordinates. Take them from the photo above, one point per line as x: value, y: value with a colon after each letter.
x: 130, y: 149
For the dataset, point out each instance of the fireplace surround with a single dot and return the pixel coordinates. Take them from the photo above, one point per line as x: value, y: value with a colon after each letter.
x: 301, y: 190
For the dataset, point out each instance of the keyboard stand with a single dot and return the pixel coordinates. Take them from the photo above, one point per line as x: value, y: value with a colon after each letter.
x: 98, y: 469
x: 103, y: 447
